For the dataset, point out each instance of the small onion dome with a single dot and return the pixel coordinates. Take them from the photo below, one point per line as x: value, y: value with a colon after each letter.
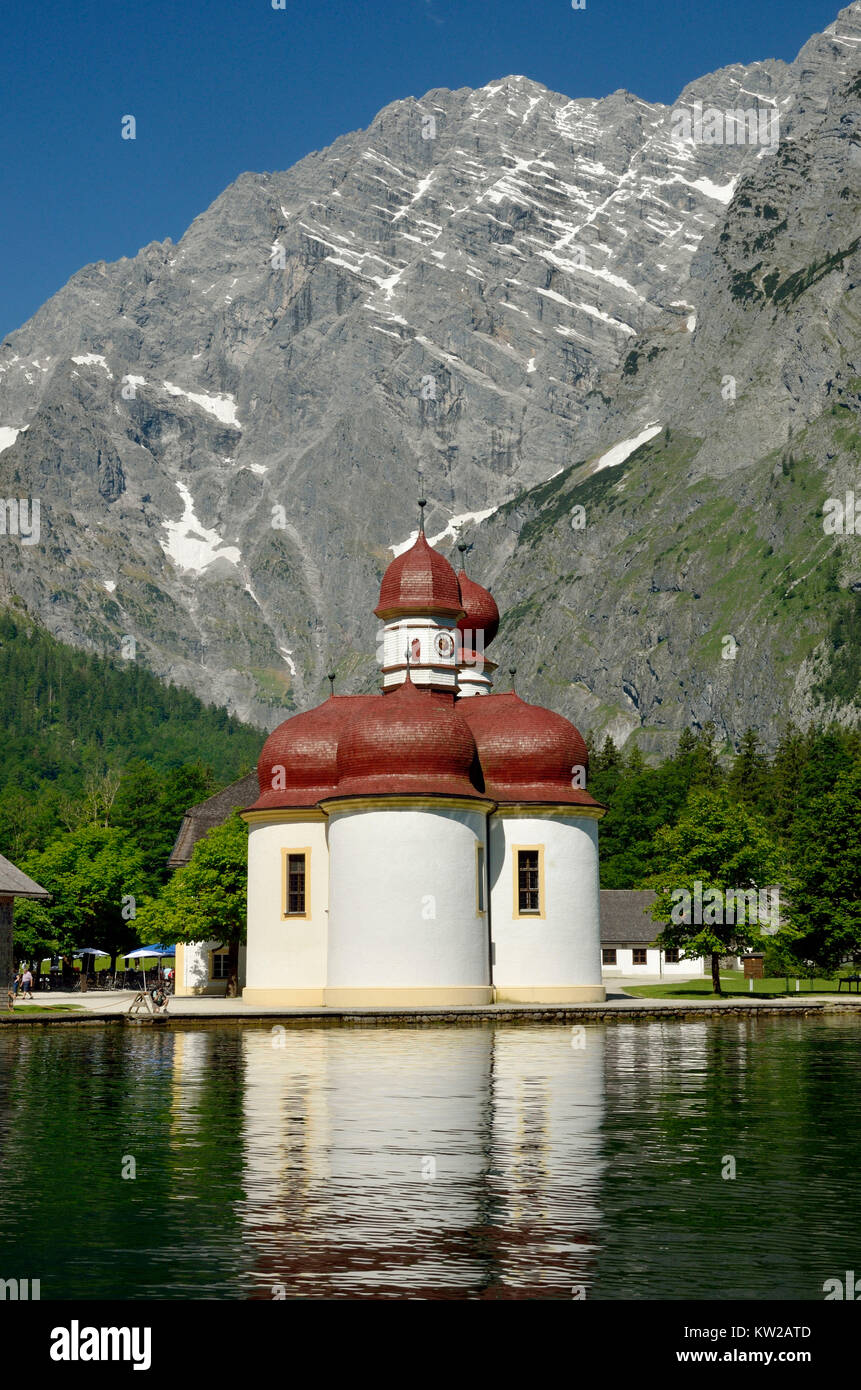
x: 411, y: 742
x: 480, y: 611
x: 527, y: 753
x: 306, y: 748
x: 419, y: 581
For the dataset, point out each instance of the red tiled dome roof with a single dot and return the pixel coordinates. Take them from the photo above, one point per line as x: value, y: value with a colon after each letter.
x: 480, y: 611
x: 306, y: 746
x: 409, y: 742
x: 527, y: 753
x: 419, y: 581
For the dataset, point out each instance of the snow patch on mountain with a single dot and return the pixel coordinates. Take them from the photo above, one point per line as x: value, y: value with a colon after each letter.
x: 8, y: 435
x: 190, y: 544
x: 223, y: 407
x: 455, y: 525
x: 626, y: 447
x: 93, y: 359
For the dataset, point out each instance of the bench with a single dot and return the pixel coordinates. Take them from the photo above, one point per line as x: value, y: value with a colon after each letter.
x: 144, y: 1003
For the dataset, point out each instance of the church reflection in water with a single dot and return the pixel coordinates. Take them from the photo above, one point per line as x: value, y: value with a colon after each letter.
x: 428, y: 1162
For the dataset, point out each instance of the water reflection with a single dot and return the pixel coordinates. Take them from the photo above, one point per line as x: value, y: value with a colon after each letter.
x: 475, y: 1162
x: 434, y: 1163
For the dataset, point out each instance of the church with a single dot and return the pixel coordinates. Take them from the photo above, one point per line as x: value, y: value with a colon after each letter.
x: 431, y: 844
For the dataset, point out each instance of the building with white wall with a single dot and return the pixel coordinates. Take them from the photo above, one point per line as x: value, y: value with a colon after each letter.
x: 431, y: 844
x: 628, y: 933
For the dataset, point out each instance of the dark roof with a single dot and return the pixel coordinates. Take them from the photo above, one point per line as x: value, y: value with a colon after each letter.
x: 15, y: 884
x: 206, y: 815
x: 626, y: 917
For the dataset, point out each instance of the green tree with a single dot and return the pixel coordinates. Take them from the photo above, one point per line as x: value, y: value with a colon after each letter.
x: 34, y: 934
x: 205, y: 901
x: 93, y: 873
x: 826, y: 855
x: 641, y: 803
x: 149, y: 805
x: 785, y: 768
x: 717, y: 845
x: 748, y: 778
x: 696, y: 757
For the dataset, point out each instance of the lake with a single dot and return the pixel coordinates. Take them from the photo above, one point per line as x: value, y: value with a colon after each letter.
x: 484, y: 1161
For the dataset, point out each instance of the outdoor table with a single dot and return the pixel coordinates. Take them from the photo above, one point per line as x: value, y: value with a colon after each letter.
x: 849, y: 980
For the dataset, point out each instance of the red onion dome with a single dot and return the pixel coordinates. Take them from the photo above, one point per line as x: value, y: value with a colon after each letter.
x: 305, y: 746
x: 480, y: 611
x: 527, y: 753
x: 419, y: 581
x: 410, y: 742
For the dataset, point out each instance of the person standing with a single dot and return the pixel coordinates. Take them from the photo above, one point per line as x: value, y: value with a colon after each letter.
x: 27, y: 984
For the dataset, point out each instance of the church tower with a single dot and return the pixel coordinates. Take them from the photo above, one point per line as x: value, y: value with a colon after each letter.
x: 420, y: 605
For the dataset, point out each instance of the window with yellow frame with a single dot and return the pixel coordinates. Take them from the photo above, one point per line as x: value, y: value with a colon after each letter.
x: 296, y: 883
x: 480, y: 879
x: 529, y: 900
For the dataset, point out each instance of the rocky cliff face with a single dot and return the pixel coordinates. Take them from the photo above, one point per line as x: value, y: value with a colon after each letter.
x: 623, y: 356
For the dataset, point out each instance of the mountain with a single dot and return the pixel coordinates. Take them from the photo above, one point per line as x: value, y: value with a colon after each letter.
x: 541, y: 303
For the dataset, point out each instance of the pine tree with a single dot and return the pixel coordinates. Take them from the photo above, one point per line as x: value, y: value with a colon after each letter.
x: 748, y: 779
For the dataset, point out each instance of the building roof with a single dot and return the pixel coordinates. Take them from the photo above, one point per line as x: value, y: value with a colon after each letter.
x: 419, y: 580
x: 410, y: 742
x: 299, y: 762
x: 480, y: 613
x: 200, y: 819
x: 626, y: 918
x: 527, y: 753
x: 15, y: 884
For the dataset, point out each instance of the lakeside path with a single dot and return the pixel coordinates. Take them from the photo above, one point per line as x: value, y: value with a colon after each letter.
x: 112, y: 1007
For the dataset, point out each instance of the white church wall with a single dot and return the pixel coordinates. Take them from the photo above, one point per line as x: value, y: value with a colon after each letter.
x: 286, y: 956
x: 194, y: 969
x: 554, y: 957
x: 404, y: 925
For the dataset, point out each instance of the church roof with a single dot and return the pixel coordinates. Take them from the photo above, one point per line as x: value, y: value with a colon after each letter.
x: 14, y: 883
x: 420, y: 580
x: 527, y: 753
x: 408, y: 742
x: 299, y: 762
x: 412, y: 739
x: 480, y: 611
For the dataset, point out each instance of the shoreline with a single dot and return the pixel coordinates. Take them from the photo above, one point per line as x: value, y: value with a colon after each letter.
x: 185, y: 1012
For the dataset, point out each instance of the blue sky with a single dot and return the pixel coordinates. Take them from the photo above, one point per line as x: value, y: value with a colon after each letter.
x: 221, y: 86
